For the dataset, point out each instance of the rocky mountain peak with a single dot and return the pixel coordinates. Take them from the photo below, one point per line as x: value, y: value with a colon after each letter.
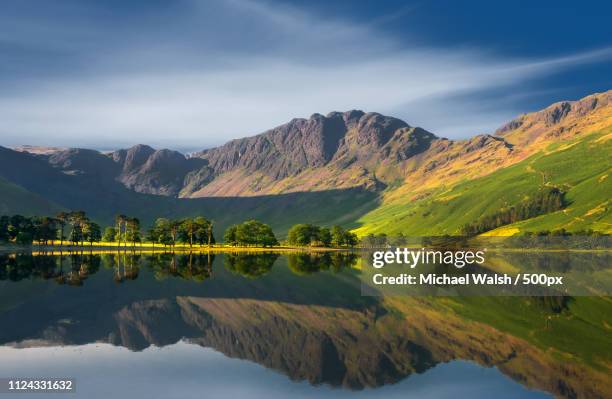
x: 147, y: 170
x: 349, y: 145
x: 300, y: 144
x: 133, y: 157
x: 530, y: 126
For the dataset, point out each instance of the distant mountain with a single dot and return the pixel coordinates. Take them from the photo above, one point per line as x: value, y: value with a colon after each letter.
x: 409, y: 179
x: 42, y: 150
x: 340, y: 150
x: 150, y: 171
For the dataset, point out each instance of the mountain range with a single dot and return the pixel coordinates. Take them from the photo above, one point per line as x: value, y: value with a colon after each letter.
x: 367, y: 171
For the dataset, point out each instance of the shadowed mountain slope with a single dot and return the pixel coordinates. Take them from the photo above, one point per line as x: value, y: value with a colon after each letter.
x: 17, y: 200
x: 103, y: 197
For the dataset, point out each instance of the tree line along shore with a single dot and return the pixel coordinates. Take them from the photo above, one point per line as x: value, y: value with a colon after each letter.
x: 77, y: 229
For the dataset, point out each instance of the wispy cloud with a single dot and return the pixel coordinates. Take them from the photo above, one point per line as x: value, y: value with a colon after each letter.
x: 204, y: 72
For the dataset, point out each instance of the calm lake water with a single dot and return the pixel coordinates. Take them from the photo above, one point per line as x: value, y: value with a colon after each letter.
x: 278, y: 326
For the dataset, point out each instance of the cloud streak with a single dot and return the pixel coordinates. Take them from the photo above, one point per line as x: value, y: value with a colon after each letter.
x: 221, y: 70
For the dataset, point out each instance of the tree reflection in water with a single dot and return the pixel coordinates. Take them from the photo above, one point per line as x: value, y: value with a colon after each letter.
x: 74, y: 268
x: 303, y: 314
x: 250, y: 265
x: 308, y: 263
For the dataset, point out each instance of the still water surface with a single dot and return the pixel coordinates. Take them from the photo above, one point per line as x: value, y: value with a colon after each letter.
x: 278, y: 326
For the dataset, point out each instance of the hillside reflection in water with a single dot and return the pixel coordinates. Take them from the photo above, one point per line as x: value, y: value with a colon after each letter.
x: 301, y: 315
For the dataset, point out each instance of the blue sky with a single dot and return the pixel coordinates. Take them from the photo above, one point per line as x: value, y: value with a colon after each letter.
x: 191, y: 74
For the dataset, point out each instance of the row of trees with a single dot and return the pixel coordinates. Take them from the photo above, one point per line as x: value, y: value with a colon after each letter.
x: 126, y: 229
x: 43, y: 229
x: 75, y: 227
x: 79, y: 228
x: 544, y: 201
x: 190, y: 231
x: 312, y: 235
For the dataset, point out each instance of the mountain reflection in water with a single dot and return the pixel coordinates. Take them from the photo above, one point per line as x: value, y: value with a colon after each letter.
x: 301, y: 314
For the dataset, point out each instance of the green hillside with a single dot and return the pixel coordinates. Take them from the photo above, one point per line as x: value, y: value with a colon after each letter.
x: 17, y: 200
x: 580, y: 168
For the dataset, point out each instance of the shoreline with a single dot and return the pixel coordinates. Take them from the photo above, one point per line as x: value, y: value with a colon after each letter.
x: 217, y: 248
x: 57, y: 249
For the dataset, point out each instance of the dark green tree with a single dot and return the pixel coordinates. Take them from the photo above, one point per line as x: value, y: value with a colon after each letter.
x: 229, y: 237
x: 92, y: 232
x: 120, y: 222
x: 44, y: 229
x: 255, y: 233
x: 188, y: 227
x: 161, y: 232
x: 109, y: 234
x: 62, y: 220
x: 325, y: 236
x: 133, y: 230
x: 24, y: 238
x: 302, y: 234
x: 341, y: 237
x: 77, y: 220
x: 4, y: 226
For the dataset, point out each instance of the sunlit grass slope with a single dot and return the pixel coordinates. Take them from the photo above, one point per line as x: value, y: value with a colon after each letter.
x: 581, y: 168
